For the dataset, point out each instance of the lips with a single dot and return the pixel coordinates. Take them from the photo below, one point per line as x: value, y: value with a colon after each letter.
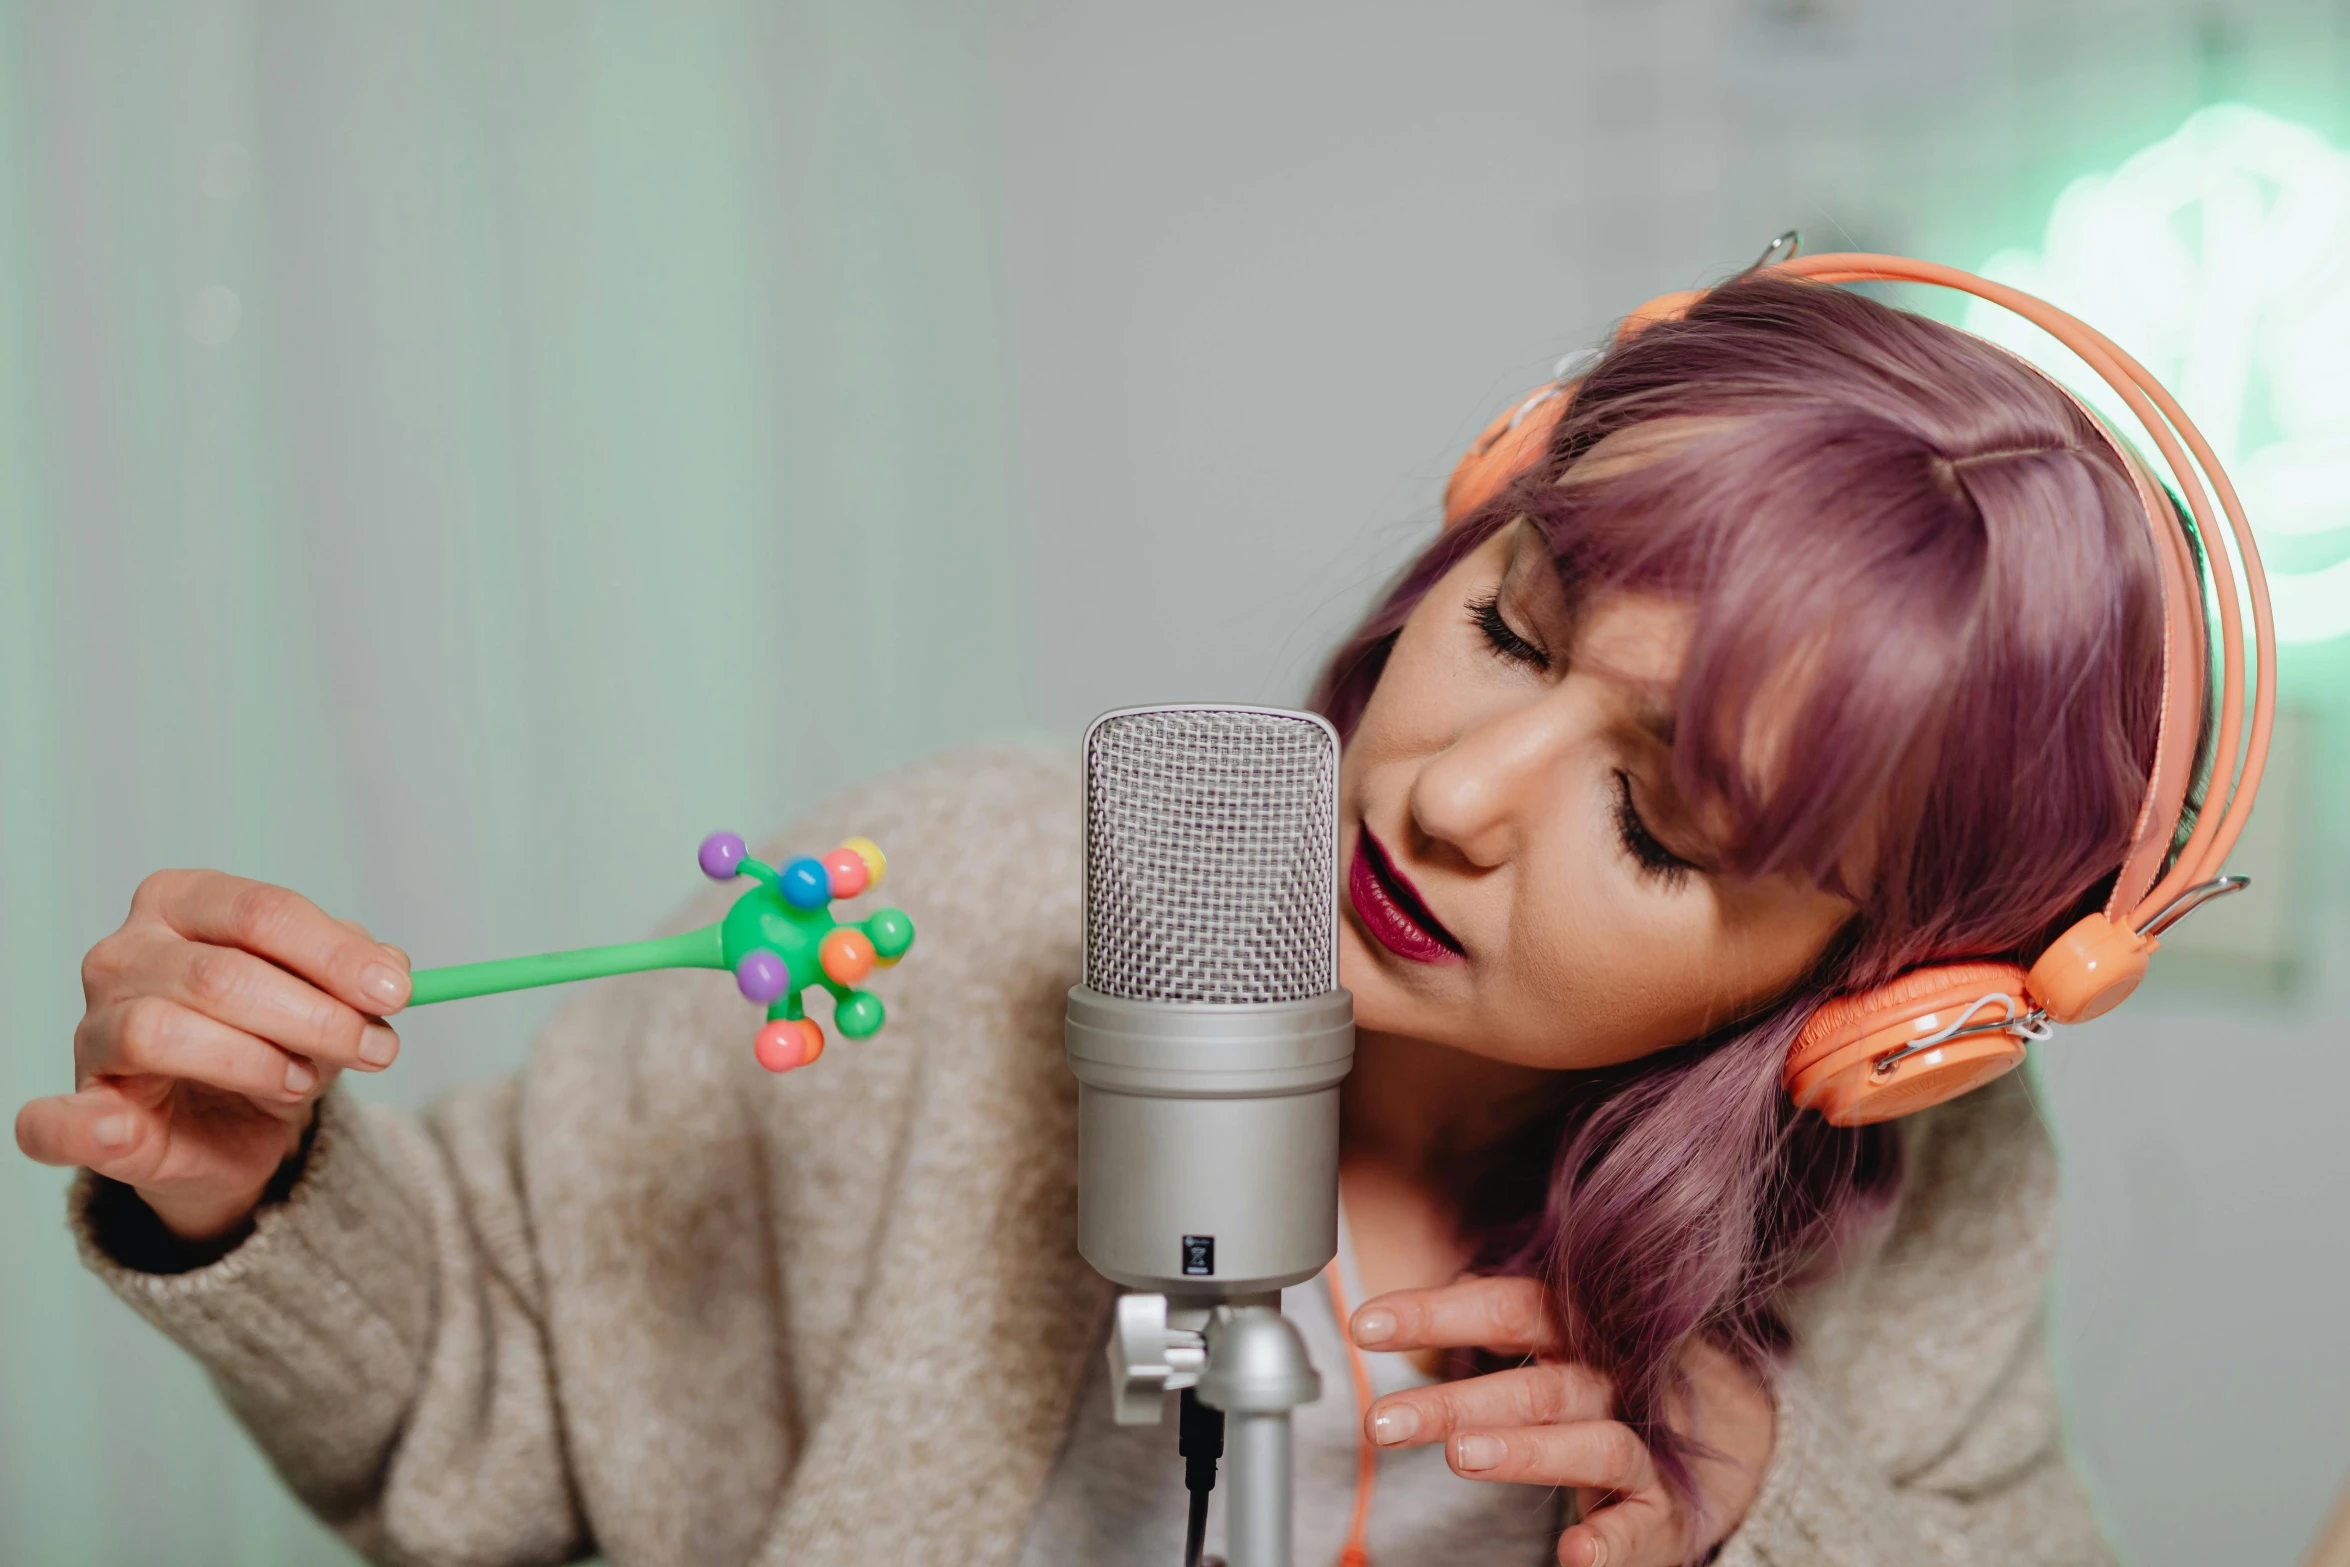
x: 1391, y: 910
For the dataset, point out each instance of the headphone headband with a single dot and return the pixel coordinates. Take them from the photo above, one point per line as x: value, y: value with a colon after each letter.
x: 2215, y: 832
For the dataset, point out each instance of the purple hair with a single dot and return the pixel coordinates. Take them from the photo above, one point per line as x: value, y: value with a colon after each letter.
x: 1925, y: 563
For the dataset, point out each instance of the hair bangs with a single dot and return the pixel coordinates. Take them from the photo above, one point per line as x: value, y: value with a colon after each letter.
x: 1815, y: 547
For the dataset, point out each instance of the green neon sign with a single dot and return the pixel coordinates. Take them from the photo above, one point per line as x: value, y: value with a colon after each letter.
x: 2220, y: 257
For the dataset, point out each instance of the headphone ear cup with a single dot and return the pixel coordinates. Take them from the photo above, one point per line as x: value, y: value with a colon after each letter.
x: 1833, y: 1065
x: 1508, y: 447
x: 1665, y: 307
x: 1512, y: 442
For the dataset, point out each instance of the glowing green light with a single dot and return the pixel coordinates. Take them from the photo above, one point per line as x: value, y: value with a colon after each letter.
x: 2220, y: 257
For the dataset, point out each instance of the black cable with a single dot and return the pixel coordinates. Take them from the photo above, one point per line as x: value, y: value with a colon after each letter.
x: 1200, y: 1439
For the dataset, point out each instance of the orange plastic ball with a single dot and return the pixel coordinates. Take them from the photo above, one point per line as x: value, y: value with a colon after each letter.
x: 847, y: 956
x: 789, y: 1042
x: 849, y: 872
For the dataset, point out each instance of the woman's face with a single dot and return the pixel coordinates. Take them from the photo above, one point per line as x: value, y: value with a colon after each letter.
x: 1521, y: 881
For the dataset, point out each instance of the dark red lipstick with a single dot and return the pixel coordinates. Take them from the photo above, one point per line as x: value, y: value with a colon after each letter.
x: 1391, y: 909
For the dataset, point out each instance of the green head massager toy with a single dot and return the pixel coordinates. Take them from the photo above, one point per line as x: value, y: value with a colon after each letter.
x: 779, y: 938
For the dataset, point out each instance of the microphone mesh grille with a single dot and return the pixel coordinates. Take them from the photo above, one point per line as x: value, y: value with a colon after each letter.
x: 1211, y: 855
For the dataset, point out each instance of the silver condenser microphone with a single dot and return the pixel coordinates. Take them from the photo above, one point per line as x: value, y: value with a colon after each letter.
x: 1208, y: 1040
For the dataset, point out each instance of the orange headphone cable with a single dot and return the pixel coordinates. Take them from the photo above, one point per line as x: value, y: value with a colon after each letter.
x: 1357, y: 1551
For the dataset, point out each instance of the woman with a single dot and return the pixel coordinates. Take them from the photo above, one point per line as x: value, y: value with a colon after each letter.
x: 1817, y: 641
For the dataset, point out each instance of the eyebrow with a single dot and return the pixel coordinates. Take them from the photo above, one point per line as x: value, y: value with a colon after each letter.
x: 1655, y: 715
x: 1652, y: 711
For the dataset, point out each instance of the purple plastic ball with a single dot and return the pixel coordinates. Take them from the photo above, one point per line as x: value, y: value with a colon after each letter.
x: 806, y: 883
x: 761, y: 975
x: 722, y: 855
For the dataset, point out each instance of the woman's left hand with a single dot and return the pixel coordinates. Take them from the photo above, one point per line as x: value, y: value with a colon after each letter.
x: 1551, y: 1423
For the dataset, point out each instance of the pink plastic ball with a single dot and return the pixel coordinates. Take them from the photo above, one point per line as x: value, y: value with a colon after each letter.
x: 848, y: 871
x: 847, y: 956
x: 870, y: 852
x: 787, y: 1043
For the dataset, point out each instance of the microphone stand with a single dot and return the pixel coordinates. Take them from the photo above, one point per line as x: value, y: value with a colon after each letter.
x: 1257, y: 1372
x: 1240, y: 1357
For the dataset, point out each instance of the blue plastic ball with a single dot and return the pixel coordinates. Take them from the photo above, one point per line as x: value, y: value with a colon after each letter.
x: 806, y: 883
x: 722, y: 855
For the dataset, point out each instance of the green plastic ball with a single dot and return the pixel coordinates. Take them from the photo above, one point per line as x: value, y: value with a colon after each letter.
x: 858, y: 1016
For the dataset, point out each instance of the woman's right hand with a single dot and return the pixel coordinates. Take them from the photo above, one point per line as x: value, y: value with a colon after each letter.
x: 216, y: 1016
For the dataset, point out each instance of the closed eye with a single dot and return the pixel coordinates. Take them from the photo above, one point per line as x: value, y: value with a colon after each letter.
x: 1653, y: 858
x: 1485, y: 614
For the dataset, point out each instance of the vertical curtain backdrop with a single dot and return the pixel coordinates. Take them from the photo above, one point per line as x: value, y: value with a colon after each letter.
x: 455, y: 453
x: 452, y: 456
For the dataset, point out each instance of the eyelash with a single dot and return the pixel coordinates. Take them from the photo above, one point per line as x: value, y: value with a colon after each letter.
x: 1653, y: 858
x: 1485, y: 615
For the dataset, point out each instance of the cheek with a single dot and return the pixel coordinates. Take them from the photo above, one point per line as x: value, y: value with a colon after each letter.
x: 1404, y: 718
x: 1629, y: 971
x: 1608, y: 963
x: 1436, y: 683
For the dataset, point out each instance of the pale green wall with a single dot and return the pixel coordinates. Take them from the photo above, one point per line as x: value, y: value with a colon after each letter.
x: 607, y: 448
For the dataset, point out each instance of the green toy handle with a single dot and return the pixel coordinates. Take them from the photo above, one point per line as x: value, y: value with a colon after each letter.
x: 704, y: 948
x: 780, y: 939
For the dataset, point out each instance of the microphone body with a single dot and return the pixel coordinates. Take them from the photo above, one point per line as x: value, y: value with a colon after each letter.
x: 1210, y: 1035
x: 1207, y: 1152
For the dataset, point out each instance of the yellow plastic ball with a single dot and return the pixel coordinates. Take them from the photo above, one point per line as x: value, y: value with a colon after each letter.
x: 870, y: 852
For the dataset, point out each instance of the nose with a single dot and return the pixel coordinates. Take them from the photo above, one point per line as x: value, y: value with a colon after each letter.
x: 1476, y: 796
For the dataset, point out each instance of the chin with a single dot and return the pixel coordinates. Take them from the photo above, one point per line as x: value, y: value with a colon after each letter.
x: 1377, y: 995
x: 1385, y: 1004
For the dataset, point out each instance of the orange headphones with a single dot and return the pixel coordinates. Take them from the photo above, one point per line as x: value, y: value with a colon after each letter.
x: 1915, y: 1040
x: 1922, y: 1037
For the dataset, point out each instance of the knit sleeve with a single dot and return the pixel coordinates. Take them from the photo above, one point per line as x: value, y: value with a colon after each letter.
x: 380, y: 1333
x: 1825, y: 1504
x: 1918, y: 1423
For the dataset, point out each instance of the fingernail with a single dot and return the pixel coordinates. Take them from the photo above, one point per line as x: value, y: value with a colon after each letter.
x: 1476, y: 1452
x: 378, y: 1044
x: 1375, y: 1325
x: 1598, y: 1552
x: 383, y: 984
x: 111, y: 1131
x: 300, y: 1074
x: 1399, y: 1424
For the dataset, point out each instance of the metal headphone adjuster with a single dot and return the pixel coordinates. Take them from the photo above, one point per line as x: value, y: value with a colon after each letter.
x: 2189, y: 901
x: 2033, y: 1024
x: 1784, y: 248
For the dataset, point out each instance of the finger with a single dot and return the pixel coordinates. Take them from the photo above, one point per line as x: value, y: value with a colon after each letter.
x: 282, y: 926
x: 398, y: 952
x: 1643, y: 1529
x: 1604, y: 1455
x: 1526, y: 1396
x: 1506, y: 1315
x: 259, y: 998
x: 150, y: 1035
x: 97, y: 1128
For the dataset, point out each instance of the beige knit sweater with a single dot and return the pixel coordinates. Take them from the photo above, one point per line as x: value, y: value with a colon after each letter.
x: 648, y: 1300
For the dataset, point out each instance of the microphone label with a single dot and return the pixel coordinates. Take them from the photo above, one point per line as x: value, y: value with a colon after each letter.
x: 1199, y: 1254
